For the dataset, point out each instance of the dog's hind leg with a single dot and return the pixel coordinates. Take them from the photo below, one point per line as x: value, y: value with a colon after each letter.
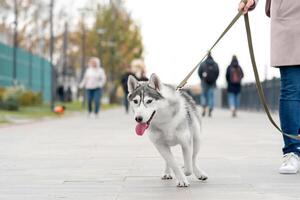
x: 167, y: 174
x: 187, y: 156
x: 166, y: 153
x: 200, y: 174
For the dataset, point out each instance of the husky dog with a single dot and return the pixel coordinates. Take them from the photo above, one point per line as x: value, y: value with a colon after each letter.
x: 171, y: 118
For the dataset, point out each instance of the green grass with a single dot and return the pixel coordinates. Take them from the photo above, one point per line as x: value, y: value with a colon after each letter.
x: 43, y: 111
x: 3, y: 121
x: 29, y: 112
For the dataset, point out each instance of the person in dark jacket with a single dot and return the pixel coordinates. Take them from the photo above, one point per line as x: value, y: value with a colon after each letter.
x: 208, y: 73
x: 234, y: 76
x: 124, y: 80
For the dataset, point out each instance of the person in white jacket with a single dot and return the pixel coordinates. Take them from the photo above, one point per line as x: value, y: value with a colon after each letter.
x: 93, y: 81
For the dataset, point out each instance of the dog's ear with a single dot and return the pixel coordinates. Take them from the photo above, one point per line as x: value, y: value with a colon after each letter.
x: 154, y: 82
x: 132, y: 83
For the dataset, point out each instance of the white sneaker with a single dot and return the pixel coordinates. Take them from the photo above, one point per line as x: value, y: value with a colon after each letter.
x: 290, y: 164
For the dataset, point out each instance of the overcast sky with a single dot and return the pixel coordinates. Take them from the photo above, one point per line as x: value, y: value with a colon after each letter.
x: 177, y: 33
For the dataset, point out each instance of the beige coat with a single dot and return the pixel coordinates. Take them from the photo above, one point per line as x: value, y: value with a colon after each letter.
x: 285, y: 32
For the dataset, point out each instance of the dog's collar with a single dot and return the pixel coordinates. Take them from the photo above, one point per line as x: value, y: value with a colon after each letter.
x: 148, y: 122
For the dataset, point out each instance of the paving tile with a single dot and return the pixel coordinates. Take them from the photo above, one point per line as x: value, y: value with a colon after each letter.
x: 80, y: 159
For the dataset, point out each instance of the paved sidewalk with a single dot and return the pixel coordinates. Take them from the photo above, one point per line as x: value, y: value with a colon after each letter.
x: 90, y: 159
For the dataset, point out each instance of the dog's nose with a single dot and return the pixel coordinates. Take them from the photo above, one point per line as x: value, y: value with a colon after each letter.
x: 139, y: 119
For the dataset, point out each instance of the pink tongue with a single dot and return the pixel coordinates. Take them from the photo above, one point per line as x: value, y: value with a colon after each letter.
x: 140, y: 128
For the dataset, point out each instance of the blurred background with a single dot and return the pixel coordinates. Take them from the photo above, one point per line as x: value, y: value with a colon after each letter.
x: 45, y: 46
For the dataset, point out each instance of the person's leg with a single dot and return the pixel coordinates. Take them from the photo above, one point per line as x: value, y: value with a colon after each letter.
x: 234, y: 114
x: 289, y: 107
x: 97, y: 97
x: 231, y: 102
x: 100, y: 98
x: 289, y: 112
x: 93, y: 99
x: 236, y: 103
x: 238, y: 100
x: 204, y: 98
x: 89, y: 94
x: 210, y: 99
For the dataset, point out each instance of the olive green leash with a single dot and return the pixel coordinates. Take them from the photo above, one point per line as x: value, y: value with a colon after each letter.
x: 254, y: 66
x: 258, y: 84
x: 184, y: 81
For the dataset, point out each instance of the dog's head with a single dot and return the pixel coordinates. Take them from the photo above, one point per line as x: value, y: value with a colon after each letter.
x: 144, y: 98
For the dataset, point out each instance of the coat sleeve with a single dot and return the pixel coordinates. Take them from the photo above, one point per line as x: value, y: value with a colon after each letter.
x: 200, y: 70
x: 254, y: 5
x: 242, y: 72
x: 217, y: 70
x: 103, y: 78
x: 227, y: 75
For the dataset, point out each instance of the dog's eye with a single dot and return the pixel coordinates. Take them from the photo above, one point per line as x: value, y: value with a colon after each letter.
x: 135, y: 101
x: 149, y: 101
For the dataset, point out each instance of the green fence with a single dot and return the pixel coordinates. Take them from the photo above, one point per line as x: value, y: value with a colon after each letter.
x: 33, y: 72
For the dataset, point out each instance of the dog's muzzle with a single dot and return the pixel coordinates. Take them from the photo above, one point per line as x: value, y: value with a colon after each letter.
x: 141, y: 127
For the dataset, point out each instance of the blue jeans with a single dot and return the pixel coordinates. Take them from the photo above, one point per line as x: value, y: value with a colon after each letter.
x: 94, y: 95
x: 233, y: 100
x: 207, y: 95
x: 289, y: 107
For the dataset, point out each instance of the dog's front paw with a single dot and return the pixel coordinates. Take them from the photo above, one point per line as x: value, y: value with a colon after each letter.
x: 183, y: 184
x: 166, y: 177
x: 201, y: 175
x: 202, y: 178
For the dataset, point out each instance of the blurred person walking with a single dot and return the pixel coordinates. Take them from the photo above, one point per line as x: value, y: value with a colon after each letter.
x: 60, y: 91
x: 208, y: 73
x: 93, y: 81
x: 285, y: 51
x: 124, y: 80
x: 234, y: 76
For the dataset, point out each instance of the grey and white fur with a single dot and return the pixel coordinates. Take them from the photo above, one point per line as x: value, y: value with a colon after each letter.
x: 175, y: 122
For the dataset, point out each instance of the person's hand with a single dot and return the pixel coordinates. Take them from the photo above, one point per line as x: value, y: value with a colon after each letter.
x: 245, y: 7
